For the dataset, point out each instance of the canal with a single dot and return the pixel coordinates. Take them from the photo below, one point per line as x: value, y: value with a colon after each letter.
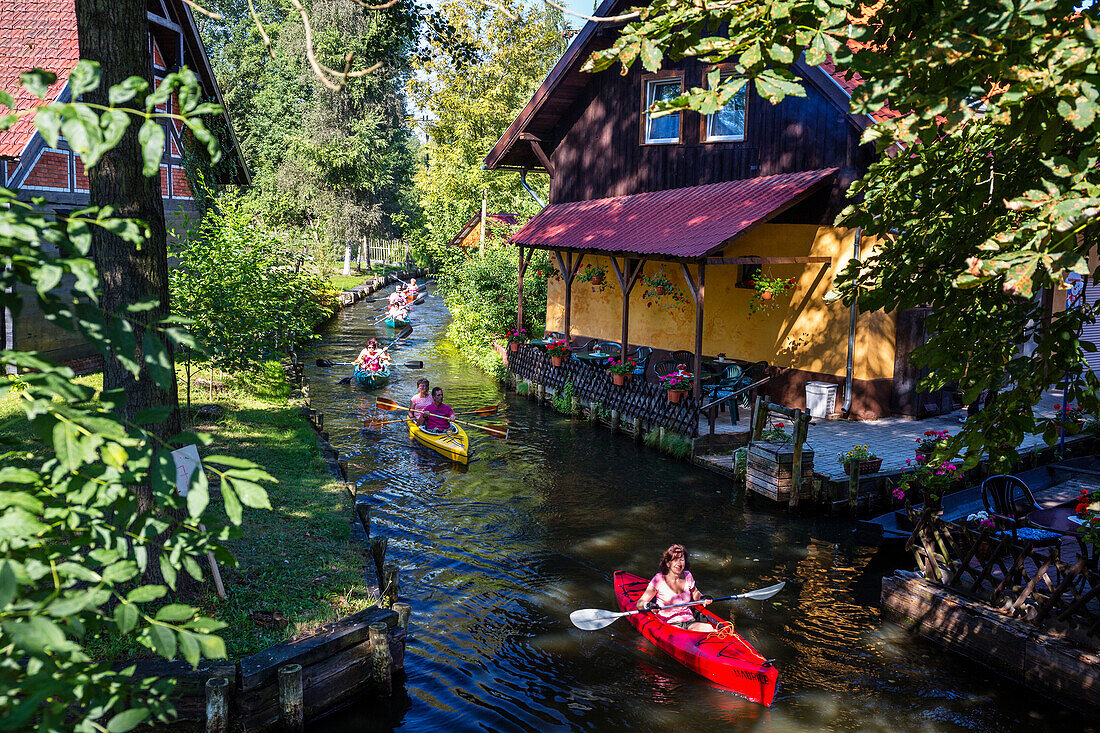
x: 494, y: 556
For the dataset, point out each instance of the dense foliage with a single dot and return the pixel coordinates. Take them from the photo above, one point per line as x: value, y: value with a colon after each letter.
x: 473, y: 82
x: 246, y: 292
x: 987, y: 186
x: 331, y: 167
x: 79, y: 541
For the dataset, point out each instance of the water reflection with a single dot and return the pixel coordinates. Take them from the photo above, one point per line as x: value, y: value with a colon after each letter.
x: 495, y: 555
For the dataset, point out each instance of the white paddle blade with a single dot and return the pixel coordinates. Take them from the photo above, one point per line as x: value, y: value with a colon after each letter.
x: 590, y: 619
x: 763, y: 594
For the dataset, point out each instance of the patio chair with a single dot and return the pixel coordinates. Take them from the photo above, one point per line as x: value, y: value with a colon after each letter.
x: 1009, y: 500
x: 665, y: 367
x: 687, y: 358
x: 751, y: 373
x: 641, y: 356
x: 731, y: 381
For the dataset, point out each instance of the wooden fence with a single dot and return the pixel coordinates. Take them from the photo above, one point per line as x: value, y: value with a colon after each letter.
x: 1036, y: 585
x: 388, y: 251
x: 635, y: 400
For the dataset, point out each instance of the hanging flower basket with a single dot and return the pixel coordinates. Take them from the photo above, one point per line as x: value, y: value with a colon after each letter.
x: 661, y: 292
x: 595, y: 276
x: 767, y: 291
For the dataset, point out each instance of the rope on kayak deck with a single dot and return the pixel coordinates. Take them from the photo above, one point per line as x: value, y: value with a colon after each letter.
x: 722, y: 630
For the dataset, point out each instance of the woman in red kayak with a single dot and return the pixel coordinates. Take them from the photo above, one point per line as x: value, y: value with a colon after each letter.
x: 674, y: 584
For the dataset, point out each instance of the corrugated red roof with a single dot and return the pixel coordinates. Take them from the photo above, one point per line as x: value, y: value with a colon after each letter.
x: 677, y: 222
x: 34, y: 33
x: 848, y: 81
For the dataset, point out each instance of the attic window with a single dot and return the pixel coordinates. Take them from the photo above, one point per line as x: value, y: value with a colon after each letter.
x: 666, y: 128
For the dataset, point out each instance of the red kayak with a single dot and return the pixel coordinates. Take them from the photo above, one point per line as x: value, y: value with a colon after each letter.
x: 729, y: 661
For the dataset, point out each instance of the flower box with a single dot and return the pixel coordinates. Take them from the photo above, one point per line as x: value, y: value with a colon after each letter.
x: 866, y: 467
x: 675, y: 395
x: 769, y: 470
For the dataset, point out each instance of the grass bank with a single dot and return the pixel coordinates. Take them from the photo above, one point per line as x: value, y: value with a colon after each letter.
x: 296, y: 561
x: 359, y: 276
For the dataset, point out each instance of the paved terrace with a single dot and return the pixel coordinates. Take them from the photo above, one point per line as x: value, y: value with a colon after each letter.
x: 892, y: 438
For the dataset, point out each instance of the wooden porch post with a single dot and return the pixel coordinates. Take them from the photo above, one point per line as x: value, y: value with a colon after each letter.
x: 697, y: 293
x: 627, y: 276
x: 569, y: 269
x: 523, y: 263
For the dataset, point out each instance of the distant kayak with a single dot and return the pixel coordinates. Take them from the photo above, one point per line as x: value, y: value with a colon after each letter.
x: 726, y: 660
x: 396, y: 322
x: 368, y: 379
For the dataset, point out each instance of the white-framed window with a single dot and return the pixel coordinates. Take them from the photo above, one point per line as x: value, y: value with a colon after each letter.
x: 666, y: 128
x: 728, y: 123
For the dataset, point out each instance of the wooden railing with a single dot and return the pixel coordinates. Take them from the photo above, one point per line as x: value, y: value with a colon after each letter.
x: 635, y: 400
x: 1033, y: 584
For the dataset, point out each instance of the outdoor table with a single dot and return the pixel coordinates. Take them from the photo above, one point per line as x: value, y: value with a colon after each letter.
x: 592, y: 357
x: 1060, y: 519
x: 715, y: 367
x: 541, y: 343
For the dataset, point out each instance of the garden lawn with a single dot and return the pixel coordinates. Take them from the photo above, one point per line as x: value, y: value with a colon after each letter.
x: 347, y: 282
x: 296, y: 560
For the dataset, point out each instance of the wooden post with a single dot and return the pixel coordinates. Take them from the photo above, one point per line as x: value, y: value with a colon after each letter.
x: 627, y: 277
x: 404, y: 610
x: 378, y: 552
x: 593, y: 414
x: 796, y: 459
x: 217, y: 705
x: 637, y: 430
x: 523, y: 263
x: 697, y: 289
x: 381, y: 660
x: 291, y: 710
x: 362, y: 510
x: 853, y: 486
x: 569, y: 268
x: 759, y: 417
x: 389, y: 592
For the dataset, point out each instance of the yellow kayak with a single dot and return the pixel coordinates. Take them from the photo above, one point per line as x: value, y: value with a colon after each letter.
x: 454, y: 445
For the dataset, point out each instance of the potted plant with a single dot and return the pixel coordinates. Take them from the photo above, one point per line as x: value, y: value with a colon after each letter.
x: 775, y: 434
x: 981, y: 521
x: 1070, y: 421
x: 660, y: 290
x: 516, y: 338
x: 594, y: 275
x: 861, y: 454
x: 928, y: 444
x: 932, y: 479
x: 621, y: 370
x: 677, y: 384
x: 766, y: 290
x: 557, y: 350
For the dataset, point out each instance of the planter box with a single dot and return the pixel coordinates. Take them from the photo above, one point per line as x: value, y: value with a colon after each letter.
x: 768, y: 470
x: 866, y: 467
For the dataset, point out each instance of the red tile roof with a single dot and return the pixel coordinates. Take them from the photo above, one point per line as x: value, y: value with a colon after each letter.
x: 34, y: 33
x: 848, y: 82
x: 678, y: 222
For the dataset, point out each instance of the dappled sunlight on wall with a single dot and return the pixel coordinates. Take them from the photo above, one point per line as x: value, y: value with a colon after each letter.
x: 804, y: 332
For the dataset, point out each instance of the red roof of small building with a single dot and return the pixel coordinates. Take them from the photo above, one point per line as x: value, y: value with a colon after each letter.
x: 34, y: 33
x: 678, y: 222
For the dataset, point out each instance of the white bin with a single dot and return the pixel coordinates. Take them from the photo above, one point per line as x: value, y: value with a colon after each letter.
x: 821, y: 398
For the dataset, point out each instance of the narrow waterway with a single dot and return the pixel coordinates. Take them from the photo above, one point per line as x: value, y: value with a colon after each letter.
x: 495, y: 555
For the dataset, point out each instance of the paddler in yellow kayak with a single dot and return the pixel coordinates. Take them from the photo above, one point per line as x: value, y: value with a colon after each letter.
x: 436, y: 417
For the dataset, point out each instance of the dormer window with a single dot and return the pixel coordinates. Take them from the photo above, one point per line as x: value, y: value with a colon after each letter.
x: 728, y: 123
x: 663, y: 129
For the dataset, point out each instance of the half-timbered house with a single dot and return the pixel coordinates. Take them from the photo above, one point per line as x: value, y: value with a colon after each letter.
x: 42, y: 34
x: 709, y: 202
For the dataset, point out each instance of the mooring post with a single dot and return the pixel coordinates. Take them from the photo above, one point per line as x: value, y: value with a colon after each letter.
x: 614, y: 420
x: 853, y: 485
x: 637, y: 430
x: 378, y: 552
x: 343, y: 464
x: 593, y: 412
x: 362, y: 510
x: 404, y: 610
x: 389, y: 594
x: 291, y: 710
x: 217, y: 705
x: 381, y: 660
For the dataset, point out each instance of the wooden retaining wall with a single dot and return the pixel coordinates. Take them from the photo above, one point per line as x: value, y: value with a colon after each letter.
x: 1043, y: 662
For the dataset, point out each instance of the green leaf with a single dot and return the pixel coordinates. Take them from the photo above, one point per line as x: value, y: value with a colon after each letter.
x: 153, y: 415
x: 164, y: 640
x: 232, y: 504
x: 48, y: 123
x: 157, y: 360
x: 126, y: 617
x: 125, y: 91
x: 69, y: 605
x: 7, y: 121
x: 21, y: 499
x: 251, y: 494
x: 6, y: 99
x: 198, y: 494
x: 85, y: 77
x: 651, y: 55
x: 19, y: 523
x: 190, y: 648
x: 127, y: 720
x: 175, y: 613
x: 8, y: 585
x: 151, y: 137
x: 168, y: 570
x: 37, y: 634
x: 38, y: 81
x: 146, y: 593
x: 212, y: 646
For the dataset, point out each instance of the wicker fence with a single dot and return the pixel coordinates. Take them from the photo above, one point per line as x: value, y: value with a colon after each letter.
x: 1048, y: 588
x: 636, y: 400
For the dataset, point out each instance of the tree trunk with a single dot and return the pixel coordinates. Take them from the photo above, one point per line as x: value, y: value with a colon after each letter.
x: 115, y: 33
x: 347, y: 258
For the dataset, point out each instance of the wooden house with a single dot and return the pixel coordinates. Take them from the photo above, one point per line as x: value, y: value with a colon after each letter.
x: 709, y: 202
x: 480, y: 227
x: 43, y: 34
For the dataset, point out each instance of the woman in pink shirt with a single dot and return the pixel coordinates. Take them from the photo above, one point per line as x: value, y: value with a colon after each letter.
x: 420, y: 401
x: 674, y: 584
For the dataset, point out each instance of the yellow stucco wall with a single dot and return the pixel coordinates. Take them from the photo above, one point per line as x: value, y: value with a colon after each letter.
x: 804, y: 332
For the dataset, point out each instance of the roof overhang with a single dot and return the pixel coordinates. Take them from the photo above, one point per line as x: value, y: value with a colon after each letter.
x: 679, y: 223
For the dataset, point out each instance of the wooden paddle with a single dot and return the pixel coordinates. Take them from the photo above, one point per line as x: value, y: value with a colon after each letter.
x: 484, y: 411
x: 590, y: 619
x: 386, y: 404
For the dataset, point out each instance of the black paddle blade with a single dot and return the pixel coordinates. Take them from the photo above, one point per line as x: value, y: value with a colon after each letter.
x: 414, y: 365
x: 345, y: 380
x: 324, y: 362
x: 405, y: 333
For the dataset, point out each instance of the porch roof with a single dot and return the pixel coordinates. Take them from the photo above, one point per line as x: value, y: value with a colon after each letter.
x: 680, y: 222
